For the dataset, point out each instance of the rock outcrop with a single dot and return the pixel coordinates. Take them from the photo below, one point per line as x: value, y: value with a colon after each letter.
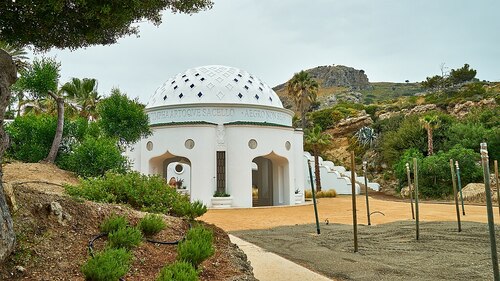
x: 461, y: 109
x: 349, y: 126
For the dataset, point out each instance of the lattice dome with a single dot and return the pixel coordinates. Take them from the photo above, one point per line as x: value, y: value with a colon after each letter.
x: 214, y: 84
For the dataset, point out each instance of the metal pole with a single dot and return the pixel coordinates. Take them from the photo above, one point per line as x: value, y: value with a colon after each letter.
x: 410, y: 190
x: 489, y: 210
x: 366, y: 193
x: 353, y: 189
x: 455, y: 193
x: 496, y: 179
x: 460, y: 187
x: 314, y: 197
x: 415, y: 182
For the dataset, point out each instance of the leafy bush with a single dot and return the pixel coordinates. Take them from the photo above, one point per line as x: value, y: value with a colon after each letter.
x: 434, y: 171
x: 109, y: 265
x: 146, y: 193
x: 197, y: 246
x: 31, y: 137
x: 125, y: 237
x: 184, y: 208
x: 113, y: 223
x: 151, y: 224
x: 178, y: 271
x: 322, y: 194
x: 94, y: 156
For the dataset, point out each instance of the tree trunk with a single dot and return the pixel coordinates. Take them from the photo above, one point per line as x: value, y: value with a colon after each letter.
x: 59, y: 130
x: 317, y: 174
x: 303, y: 108
x: 8, y: 76
x: 430, y: 146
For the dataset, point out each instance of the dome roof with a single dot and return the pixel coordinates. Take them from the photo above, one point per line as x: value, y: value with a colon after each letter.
x: 214, y: 84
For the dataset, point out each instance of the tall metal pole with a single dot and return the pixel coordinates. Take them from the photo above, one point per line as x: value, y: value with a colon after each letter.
x: 366, y: 193
x: 489, y: 210
x: 460, y: 186
x: 415, y: 182
x: 354, y: 216
x: 410, y: 190
x: 496, y: 179
x: 455, y: 194
x: 314, y: 197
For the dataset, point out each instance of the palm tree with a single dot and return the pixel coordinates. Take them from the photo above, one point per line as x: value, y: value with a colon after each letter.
x: 19, y: 55
x: 430, y: 123
x: 303, y: 89
x: 84, y: 94
x: 317, y: 141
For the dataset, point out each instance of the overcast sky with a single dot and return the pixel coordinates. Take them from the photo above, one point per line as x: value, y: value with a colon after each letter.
x: 392, y: 40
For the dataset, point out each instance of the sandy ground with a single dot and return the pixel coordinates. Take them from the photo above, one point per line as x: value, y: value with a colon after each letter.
x: 388, y: 249
x: 339, y: 210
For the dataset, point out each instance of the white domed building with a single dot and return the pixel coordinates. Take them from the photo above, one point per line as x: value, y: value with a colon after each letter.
x: 219, y: 128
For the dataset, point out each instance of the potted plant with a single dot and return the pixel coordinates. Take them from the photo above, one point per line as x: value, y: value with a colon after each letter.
x: 221, y: 199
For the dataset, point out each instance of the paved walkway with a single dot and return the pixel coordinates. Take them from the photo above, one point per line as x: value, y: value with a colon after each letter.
x: 271, y: 267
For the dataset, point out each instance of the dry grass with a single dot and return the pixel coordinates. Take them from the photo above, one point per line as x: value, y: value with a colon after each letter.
x: 322, y: 194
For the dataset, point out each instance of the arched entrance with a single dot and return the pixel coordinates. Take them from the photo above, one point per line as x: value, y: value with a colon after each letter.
x: 270, y: 176
x: 175, y: 169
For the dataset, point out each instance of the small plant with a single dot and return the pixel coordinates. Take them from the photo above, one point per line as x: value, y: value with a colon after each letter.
x: 178, y: 271
x: 151, y: 224
x: 127, y: 237
x: 322, y: 194
x: 221, y: 194
x: 197, y: 247
x: 180, y: 183
x: 184, y: 208
x: 113, y: 223
x: 109, y: 265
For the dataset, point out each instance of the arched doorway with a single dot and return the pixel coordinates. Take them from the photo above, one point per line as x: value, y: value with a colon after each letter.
x: 175, y: 169
x: 270, y: 177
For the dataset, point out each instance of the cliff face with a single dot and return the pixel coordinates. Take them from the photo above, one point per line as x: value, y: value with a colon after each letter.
x: 340, y: 76
x: 337, y: 76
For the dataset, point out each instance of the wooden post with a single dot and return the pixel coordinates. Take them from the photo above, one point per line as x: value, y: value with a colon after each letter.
x: 460, y: 186
x: 415, y: 183
x: 489, y: 210
x: 410, y: 190
x: 366, y: 193
x: 314, y: 197
x: 353, y: 189
x: 455, y: 194
x: 496, y: 179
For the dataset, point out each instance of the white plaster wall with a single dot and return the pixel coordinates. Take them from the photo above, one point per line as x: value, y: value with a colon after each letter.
x: 240, y: 156
x: 169, y: 141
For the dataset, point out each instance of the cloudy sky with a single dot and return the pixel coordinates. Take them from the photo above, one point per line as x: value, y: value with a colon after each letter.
x: 392, y: 40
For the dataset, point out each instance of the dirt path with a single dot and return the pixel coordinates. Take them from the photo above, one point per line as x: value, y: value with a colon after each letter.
x: 338, y: 210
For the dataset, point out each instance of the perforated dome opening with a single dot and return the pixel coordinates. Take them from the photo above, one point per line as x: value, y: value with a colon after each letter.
x: 214, y: 84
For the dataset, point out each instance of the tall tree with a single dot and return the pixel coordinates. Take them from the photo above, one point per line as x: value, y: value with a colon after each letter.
x: 41, y: 81
x: 123, y: 118
x: 317, y: 141
x: 69, y: 24
x: 8, y: 76
x: 303, y: 89
x: 430, y: 123
x: 84, y: 94
x: 19, y: 55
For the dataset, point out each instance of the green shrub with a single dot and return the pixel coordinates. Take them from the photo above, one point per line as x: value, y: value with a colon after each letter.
x: 94, y: 156
x: 109, y: 265
x: 146, y: 193
x: 184, y: 208
x: 113, y: 223
x: 31, y: 137
x: 178, y: 271
x: 151, y: 224
x: 197, y: 247
x: 126, y: 237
